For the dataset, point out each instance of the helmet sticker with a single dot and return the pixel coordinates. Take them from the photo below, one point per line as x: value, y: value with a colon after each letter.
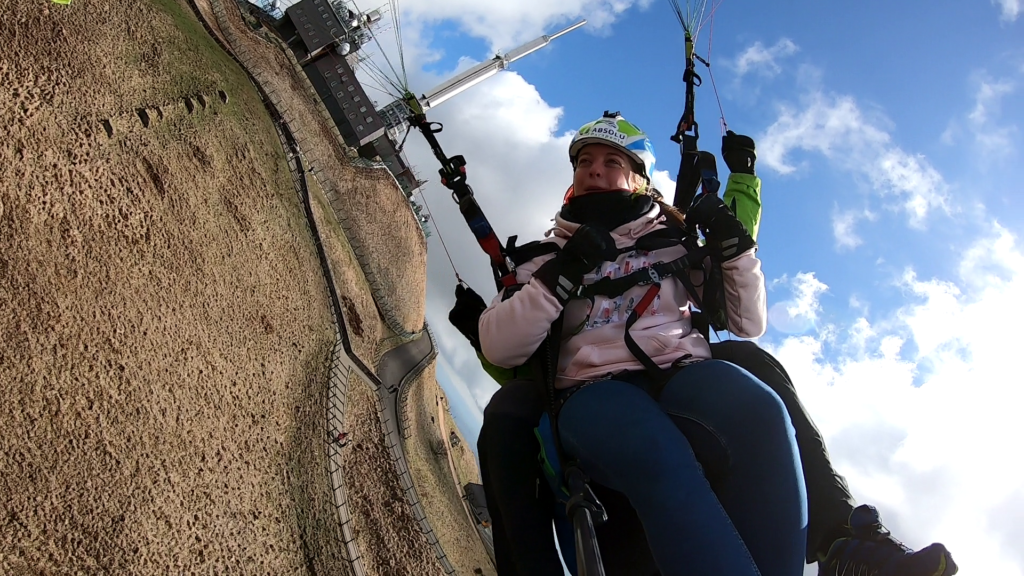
x: 617, y: 132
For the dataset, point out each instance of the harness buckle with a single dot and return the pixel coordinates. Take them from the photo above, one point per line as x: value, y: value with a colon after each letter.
x: 655, y: 278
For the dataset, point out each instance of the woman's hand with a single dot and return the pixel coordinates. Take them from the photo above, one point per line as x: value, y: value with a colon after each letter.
x: 586, y: 249
x: 725, y: 234
x: 739, y: 153
x: 465, y: 315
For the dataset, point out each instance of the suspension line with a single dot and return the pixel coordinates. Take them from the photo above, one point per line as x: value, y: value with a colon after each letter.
x: 423, y: 196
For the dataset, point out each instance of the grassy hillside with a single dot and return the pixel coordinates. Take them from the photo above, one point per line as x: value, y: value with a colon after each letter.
x: 165, y: 325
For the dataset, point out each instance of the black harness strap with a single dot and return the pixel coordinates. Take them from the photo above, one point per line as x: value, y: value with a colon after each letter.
x: 653, y: 274
x: 519, y: 255
x: 634, y: 315
x: 664, y: 238
x: 453, y: 177
x: 687, y: 134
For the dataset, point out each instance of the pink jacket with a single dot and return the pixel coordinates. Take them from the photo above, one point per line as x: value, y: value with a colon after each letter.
x: 511, y: 330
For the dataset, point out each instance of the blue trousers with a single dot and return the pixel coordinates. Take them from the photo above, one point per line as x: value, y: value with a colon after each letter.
x: 725, y: 497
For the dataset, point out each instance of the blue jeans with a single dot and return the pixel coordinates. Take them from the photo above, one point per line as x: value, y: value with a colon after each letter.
x: 750, y: 519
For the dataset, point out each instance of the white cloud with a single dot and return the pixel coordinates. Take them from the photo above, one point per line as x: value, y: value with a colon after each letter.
x: 799, y: 313
x: 988, y: 96
x: 665, y: 184
x: 506, y: 24
x: 1009, y: 9
x: 836, y: 127
x: 763, y: 61
x: 861, y: 333
x: 806, y: 290
x: 922, y: 415
x: 857, y: 303
x: 992, y: 138
x: 843, y: 224
x: 474, y: 398
x: 949, y: 135
x: 842, y: 229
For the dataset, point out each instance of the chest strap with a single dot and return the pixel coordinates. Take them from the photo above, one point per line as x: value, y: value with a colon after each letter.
x: 653, y: 274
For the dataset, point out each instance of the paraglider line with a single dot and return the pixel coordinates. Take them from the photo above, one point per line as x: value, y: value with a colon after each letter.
x: 711, y: 36
x: 423, y: 195
x: 384, y: 54
x: 711, y: 18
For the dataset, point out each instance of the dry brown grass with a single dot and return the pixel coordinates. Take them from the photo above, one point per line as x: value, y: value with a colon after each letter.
x: 387, y: 532
x: 365, y: 329
x: 378, y: 215
x: 165, y: 324
x: 206, y: 13
x: 465, y: 461
x: 439, y: 494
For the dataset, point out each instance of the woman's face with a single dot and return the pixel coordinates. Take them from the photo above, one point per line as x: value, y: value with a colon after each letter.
x: 600, y: 168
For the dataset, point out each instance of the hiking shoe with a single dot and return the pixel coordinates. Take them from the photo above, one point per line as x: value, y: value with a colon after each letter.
x: 872, y: 551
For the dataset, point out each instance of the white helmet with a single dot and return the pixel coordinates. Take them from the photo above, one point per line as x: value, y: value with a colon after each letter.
x: 613, y: 130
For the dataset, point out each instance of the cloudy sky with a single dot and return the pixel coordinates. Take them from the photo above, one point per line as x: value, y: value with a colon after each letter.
x: 889, y: 142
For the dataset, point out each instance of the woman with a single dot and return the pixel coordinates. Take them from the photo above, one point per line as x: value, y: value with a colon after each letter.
x: 627, y: 395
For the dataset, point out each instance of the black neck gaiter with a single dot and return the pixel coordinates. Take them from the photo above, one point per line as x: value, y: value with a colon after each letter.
x: 609, y: 210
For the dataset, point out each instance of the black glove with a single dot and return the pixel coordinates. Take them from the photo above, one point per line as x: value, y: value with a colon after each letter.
x: 738, y: 153
x: 465, y: 315
x: 586, y: 249
x: 724, y: 232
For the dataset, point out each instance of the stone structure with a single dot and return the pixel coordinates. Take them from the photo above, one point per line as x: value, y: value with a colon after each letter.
x: 324, y: 37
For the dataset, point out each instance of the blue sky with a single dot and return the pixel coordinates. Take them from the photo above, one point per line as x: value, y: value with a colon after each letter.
x: 889, y: 140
